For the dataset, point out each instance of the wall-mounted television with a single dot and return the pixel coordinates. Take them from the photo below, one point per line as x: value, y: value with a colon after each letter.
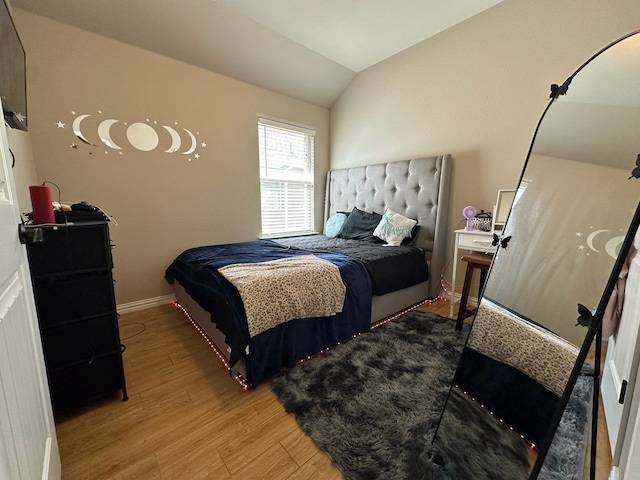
x: 13, y: 84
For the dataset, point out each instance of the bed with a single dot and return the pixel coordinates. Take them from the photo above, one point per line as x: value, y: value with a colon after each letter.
x: 213, y: 299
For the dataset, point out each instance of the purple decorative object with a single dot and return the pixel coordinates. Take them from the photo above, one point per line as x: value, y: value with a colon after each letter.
x: 469, y: 212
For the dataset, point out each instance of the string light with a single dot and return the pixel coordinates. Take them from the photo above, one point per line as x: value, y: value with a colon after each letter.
x: 443, y: 283
x: 482, y: 406
x: 238, y: 376
x: 402, y: 312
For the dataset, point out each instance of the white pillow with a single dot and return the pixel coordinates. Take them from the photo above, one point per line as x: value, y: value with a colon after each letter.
x: 334, y: 224
x: 393, y: 228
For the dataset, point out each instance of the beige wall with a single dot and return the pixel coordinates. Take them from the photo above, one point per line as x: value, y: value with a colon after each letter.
x: 476, y: 91
x: 162, y: 202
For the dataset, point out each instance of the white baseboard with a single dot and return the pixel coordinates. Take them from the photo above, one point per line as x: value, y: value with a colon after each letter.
x: 613, y: 475
x: 146, y: 303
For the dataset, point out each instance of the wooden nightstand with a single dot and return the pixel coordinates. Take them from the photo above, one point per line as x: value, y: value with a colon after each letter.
x: 473, y: 241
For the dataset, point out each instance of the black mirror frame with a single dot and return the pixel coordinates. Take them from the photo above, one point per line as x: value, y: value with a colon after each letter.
x: 594, y: 322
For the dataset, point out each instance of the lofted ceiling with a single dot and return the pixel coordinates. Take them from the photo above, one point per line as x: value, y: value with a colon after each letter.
x: 306, y: 49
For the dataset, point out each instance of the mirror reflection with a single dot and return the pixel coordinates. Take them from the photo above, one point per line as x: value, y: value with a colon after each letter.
x: 501, y: 208
x: 566, y: 231
x: 573, y: 209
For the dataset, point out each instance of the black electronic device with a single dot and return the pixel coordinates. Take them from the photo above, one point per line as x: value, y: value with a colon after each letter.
x: 84, y: 207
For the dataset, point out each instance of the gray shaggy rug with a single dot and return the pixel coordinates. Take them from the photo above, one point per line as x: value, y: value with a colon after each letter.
x: 373, y: 403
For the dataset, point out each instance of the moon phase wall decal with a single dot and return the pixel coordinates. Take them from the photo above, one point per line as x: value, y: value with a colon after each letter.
x: 175, y: 140
x: 193, y: 143
x: 104, y: 132
x: 591, y: 237
x: 76, y: 128
x: 611, y: 246
x: 142, y: 136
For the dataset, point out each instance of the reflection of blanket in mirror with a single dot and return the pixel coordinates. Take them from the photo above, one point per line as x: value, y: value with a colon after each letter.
x: 277, y: 291
x: 512, y: 396
x: 538, y: 353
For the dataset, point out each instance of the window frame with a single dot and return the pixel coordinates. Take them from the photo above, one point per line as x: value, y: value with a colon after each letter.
x: 301, y: 221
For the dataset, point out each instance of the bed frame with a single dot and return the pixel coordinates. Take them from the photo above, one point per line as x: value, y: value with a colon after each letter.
x: 417, y: 188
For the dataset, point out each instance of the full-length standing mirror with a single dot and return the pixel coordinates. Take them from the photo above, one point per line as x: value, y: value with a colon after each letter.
x: 572, y: 223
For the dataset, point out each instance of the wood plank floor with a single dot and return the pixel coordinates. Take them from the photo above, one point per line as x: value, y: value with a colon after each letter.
x: 186, y: 419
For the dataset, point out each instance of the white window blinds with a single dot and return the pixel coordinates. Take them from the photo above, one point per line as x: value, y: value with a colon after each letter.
x: 286, y: 178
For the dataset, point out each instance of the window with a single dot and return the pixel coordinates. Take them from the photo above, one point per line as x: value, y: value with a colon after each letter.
x: 286, y: 177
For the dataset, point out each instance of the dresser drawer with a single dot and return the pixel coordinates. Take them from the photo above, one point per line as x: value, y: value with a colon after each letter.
x: 75, y: 386
x: 79, y: 342
x: 73, y: 297
x: 70, y: 249
x: 480, y: 241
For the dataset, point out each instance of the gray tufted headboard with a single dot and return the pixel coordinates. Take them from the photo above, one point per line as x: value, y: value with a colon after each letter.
x: 418, y: 189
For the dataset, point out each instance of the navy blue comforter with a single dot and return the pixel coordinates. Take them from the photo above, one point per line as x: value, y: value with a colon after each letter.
x: 390, y: 268
x: 280, y: 347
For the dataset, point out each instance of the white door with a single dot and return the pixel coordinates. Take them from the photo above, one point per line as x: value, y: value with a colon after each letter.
x: 28, y: 445
x: 621, y: 364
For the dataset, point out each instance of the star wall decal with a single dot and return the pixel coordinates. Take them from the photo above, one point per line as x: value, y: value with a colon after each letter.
x: 60, y: 124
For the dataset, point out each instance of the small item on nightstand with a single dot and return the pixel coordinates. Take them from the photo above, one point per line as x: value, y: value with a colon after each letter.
x: 482, y: 221
x: 469, y: 212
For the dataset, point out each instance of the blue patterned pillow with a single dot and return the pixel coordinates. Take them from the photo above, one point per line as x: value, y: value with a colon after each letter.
x: 334, y: 224
x: 394, y: 228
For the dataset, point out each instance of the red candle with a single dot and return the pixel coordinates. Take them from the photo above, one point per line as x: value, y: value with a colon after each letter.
x: 41, y: 204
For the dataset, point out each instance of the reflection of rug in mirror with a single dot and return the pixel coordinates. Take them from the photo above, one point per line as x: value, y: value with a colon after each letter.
x: 472, y: 444
x: 565, y: 458
x: 372, y: 404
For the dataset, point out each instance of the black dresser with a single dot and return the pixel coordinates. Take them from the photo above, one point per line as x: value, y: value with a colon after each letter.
x: 73, y: 288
